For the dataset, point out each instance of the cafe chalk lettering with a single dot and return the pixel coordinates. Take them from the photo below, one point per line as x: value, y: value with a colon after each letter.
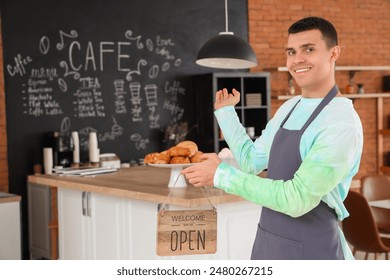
x: 77, y: 84
x: 44, y: 73
x: 20, y: 65
x: 95, y: 57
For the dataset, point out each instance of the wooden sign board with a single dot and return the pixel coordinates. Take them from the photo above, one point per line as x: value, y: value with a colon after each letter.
x: 189, y: 232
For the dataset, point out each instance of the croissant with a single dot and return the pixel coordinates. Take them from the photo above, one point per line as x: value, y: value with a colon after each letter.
x: 183, y: 152
x: 179, y: 160
x: 157, y: 158
x: 150, y: 158
x: 179, y: 152
x: 190, y: 145
x: 162, y: 158
x: 197, y: 158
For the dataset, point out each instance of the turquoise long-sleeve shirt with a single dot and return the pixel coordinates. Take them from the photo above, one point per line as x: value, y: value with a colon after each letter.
x: 330, y: 149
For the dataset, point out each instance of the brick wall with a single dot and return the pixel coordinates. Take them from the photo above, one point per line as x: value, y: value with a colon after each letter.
x: 364, y: 36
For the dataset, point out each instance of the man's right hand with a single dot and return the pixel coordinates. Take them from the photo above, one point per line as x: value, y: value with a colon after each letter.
x: 223, y: 98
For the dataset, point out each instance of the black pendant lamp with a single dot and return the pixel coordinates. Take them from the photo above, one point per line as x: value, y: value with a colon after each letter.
x: 226, y: 51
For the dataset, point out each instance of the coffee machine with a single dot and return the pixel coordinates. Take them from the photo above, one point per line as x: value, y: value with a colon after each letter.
x: 62, y: 148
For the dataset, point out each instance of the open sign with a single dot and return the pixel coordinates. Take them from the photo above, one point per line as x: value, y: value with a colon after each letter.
x: 186, y: 232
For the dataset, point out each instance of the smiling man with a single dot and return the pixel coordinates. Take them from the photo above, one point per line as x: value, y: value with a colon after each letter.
x: 311, y: 149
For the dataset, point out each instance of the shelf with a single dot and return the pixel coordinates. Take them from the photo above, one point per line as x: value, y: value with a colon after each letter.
x: 253, y: 110
x: 353, y: 96
x: 385, y: 169
x: 362, y: 68
x: 384, y: 132
x: 342, y: 68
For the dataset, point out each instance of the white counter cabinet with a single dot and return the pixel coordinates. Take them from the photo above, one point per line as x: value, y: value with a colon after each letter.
x: 92, y: 225
x: 10, y: 229
x: 39, y: 217
x: 114, y: 216
x: 96, y: 226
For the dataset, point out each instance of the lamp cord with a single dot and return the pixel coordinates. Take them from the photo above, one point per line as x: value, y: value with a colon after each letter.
x: 226, y: 16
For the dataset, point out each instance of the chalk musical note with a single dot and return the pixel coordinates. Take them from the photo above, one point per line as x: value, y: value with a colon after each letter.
x: 64, y: 64
x: 73, y: 34
x: 141, y: 62
x: 129, y: 34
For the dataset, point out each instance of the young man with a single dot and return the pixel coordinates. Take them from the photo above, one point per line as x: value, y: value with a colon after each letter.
x: 311, y: 149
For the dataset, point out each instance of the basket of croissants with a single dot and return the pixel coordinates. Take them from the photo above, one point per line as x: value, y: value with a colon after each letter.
x: 183, y: 152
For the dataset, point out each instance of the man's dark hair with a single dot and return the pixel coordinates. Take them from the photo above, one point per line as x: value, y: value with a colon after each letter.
x: 327, y: 29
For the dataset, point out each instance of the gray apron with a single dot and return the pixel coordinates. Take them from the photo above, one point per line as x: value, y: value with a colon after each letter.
x: 311, y: 236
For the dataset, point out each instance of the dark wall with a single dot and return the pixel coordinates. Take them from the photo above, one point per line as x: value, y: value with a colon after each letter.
x: 121, y: 68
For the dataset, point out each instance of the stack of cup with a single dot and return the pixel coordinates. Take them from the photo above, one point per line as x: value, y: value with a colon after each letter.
x: 93, y: 148
x: 250, y: 131
x: 48, y: 160
x: 76, y: 147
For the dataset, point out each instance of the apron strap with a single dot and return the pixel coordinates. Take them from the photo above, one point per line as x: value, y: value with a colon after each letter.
x: 288, y: 115
x: 331, y: 94
x: 325, y: 101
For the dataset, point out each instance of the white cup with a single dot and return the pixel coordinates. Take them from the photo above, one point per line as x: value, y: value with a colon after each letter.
x: 76, y: 147
x: 94, y: 155
x: 92, y: 141
x: 250, y: 131
x: 48, y: 160
x: 93, y: 148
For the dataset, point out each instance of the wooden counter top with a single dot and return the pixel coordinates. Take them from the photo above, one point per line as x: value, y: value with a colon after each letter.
x: 141, y: 183
x: 8, y: 197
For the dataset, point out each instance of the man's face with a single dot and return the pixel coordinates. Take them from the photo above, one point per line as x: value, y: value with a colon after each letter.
x: 309, y: 61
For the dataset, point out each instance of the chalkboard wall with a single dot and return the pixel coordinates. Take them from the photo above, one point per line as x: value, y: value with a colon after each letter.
x: 121, y: 68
